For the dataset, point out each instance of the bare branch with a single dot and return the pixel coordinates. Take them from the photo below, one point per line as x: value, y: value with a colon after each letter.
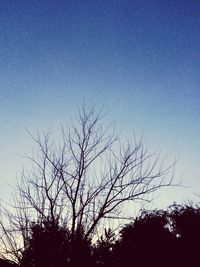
x: 85, y: 179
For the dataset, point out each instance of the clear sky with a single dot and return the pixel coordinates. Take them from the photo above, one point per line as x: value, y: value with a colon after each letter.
x: 140, y: 59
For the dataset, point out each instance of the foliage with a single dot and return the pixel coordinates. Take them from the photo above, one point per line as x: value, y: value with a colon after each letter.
x: 186, y: 227
x: 103, y: 249
x: 146, y: 241
x: 48, y: 245
x: 51, y: 245
x: 155, y: 238
x: 161, y: 238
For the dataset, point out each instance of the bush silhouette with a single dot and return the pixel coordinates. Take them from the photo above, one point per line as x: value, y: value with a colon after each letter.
x: 80, y: 250
x: 146, y: 242
x: 52, y: 245
x: 103, y: 249
x: 186, y: 226
x: 161, y: 238
x: 47, y: 246
x: 155, y: 238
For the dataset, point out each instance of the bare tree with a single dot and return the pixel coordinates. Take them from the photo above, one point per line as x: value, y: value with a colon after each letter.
x: 87, y: 177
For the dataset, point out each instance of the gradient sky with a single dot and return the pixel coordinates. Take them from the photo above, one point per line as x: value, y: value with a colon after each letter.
x: 140, y: 59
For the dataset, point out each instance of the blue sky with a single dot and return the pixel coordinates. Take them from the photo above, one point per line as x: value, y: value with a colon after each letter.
x: 140, y: 59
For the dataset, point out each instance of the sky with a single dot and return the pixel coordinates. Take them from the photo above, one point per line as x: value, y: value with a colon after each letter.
x: 139, y: 59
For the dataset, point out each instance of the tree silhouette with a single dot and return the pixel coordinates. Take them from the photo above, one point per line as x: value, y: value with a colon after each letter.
x: 81, y: 181
x: 161, y: 238
x: 186, y: 226
x: 146, y: 242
